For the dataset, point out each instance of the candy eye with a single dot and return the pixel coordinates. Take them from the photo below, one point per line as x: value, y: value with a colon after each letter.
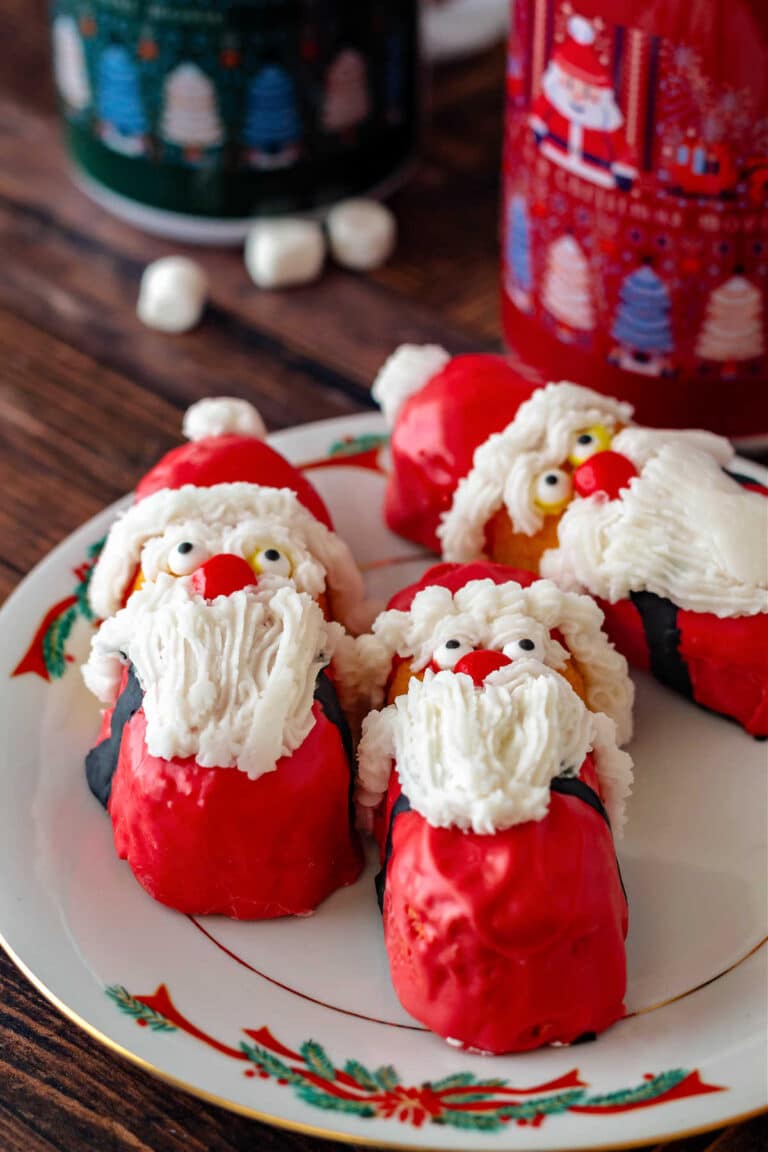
x: 450, y: 652
x: 272, y: 562
x: 552, y: 490
x: 588, y: 442
x: 185, y: 557
x: 519, y: 648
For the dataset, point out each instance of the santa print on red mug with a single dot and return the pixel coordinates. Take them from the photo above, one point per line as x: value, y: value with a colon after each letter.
x: 224, y: 758
x: 635, y: 177
x: 657, y: 524
x: 490, y: 773
x: 575, y: 118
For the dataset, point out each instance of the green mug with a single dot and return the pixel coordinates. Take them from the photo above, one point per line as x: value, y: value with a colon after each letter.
x: 191, y: 118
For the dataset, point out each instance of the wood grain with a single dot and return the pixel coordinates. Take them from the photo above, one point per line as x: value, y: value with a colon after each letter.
x: 89, y: 399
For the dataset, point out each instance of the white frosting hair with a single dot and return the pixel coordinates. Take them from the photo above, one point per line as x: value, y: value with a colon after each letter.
x: 489, y: 615
x: 505, y: 466
x: 681, y: 528
x: 322, y: 561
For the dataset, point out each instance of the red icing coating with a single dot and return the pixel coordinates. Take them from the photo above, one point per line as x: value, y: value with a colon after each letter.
x: 728, y: 665
x: 228, y: 460
x: 511, y: 941
x: 222, y: 575
x: 455, y: 576
x: 624, y: 626
x: 480, y: 664
x: 727, y: 659
x: 436, y: 434
x: 209, y: 840
x: 607, y: 472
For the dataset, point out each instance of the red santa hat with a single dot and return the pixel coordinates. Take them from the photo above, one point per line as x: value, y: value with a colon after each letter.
x: 440, y: 410
x: 577, y: 56
x: 224, y: 474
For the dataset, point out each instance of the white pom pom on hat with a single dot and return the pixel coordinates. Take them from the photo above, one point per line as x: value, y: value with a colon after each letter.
x: 581, y: 30
x: 223, y: 416
x: 405, y: 373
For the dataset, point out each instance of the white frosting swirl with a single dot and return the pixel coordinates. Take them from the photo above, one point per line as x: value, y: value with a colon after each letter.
x: 230, y: 682
x: 683, y: 529
x: 482, y: 759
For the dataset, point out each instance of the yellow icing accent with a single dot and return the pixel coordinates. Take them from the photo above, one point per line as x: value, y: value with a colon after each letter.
x: 601, y: 442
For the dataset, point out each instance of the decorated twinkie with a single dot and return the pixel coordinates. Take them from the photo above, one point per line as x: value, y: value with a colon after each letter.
x: 223, y: 757
x: 656, y: 524
x: 490, y: 772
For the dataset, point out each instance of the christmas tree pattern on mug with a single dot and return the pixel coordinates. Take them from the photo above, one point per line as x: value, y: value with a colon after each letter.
x: 69, y: 66
x: 732, y: 331
x: 190, y: 120
x: 576, y: 119
x: 272, y: 127
x: 122, y: 120
x: 642, y: 326
x: 518, y: 248
x: 567, y: 293
x: 346, y: 99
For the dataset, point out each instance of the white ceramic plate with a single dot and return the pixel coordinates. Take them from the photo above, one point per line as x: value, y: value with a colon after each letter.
x: 295, y: 1021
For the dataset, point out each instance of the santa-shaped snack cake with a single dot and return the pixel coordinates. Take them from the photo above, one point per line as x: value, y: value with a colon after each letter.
x: 492, y: 781
x: 224, y: 758
x: 656, y: 524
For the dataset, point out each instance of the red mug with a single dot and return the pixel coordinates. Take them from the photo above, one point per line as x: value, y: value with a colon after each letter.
x: 635, y: 220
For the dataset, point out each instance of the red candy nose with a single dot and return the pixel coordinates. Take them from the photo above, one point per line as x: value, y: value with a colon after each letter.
x: 221, y: 576
x: 480, y: 664
x: 607, y: 472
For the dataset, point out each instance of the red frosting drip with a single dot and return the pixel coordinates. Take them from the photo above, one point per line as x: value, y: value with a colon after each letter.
x: 433, y: 442
x: 228, y: 460
x: 209, y: 840
x: 511, y: 941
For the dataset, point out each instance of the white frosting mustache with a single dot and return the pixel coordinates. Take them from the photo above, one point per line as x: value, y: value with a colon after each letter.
x: 483, y: 759
x: 230, y: 682
x: 683, y: 530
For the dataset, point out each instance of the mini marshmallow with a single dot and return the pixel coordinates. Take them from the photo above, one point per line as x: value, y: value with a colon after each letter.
x: 281, y: 253
x: 172, y: 294
x: 361, y: 234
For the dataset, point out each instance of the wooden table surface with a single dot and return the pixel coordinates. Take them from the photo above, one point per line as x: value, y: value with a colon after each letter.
x: 88, y: 401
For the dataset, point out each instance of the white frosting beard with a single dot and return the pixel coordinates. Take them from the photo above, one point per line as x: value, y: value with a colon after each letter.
x: 488, y: 615
x: 683, y: 530
x: 229, y: 682
x: 483, y: 759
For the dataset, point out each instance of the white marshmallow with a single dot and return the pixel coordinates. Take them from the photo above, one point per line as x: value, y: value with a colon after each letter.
x: 172, y: 294
x: 361, y: 234
x: 280, y: 253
